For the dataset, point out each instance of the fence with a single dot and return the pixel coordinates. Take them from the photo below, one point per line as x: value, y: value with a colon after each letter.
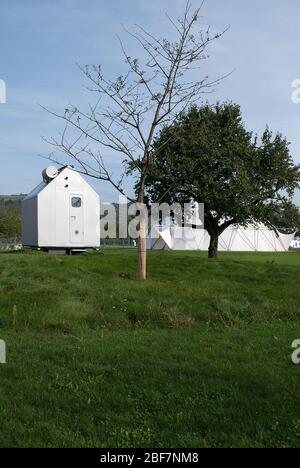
x: 118, y: 243
x: 10, y: 244
x: 7, y: 245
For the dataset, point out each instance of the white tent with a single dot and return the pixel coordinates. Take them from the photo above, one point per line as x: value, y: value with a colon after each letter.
x: 63, y: 212
x: 254, y: 238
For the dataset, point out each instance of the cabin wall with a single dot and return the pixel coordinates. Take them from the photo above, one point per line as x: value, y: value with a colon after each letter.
x: 29, y: 222
x: 55, y: 216
x: 47, y: 216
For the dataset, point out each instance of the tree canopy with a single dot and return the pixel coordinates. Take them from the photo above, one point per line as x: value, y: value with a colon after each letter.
x: 209, y: 156
x: 10, y: 223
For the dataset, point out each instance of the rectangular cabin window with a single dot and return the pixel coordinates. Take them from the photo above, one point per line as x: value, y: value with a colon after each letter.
x: 76, y: 202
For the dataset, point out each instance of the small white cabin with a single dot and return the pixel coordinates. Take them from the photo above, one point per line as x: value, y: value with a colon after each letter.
x: 62, y: 213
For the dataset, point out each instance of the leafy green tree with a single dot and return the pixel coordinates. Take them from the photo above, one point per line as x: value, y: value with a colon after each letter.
x: 208, y: 156
x: 286, y: 218
x: 10, y: 223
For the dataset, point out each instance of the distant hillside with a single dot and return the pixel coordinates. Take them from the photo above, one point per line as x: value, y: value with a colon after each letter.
x: 10, y: 203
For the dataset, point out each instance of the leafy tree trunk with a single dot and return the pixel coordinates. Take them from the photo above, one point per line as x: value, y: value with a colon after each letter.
x: 213, y: 246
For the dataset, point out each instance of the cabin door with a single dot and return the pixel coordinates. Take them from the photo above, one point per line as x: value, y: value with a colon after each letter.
x: 76, y: 220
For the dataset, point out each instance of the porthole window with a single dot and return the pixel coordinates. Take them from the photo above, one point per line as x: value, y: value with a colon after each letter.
x: 76, y: 202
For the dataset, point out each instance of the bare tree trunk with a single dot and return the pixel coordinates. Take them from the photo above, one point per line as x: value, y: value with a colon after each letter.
x: 213, y: 246
x: 142, y: 239
x: 140, y: 103
x: 142, y: 256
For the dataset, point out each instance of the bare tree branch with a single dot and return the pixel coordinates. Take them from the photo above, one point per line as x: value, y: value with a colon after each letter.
x: 131, y: 109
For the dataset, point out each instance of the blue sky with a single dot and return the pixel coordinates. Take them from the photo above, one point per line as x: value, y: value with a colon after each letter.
x: 41, y: 42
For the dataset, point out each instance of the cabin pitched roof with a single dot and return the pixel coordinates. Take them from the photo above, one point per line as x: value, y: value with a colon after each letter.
x: 42, y: 185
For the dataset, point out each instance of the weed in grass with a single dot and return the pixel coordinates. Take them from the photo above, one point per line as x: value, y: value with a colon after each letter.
x: 14, y: 316
x: 178, y: 320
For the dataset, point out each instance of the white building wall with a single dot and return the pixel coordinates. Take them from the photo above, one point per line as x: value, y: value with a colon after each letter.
x: 47, y: 216
x: 53, y: 213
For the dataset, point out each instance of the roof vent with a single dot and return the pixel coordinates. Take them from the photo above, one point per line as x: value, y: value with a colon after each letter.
x: 49, y: 173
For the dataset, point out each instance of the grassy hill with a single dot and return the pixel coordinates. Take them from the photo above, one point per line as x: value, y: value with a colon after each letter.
x: 197, y: 356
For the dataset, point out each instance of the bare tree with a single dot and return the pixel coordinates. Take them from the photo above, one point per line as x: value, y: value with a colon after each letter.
x: 131, y: 109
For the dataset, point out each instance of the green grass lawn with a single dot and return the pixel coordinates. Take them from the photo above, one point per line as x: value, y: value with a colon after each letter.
x: 197, y: 356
